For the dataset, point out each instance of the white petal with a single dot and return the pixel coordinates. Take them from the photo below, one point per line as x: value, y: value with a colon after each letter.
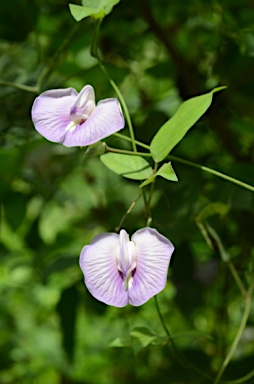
x: 84, y: 104
x: 105, y: 120
x: 51, y: 113
x: 98, y: 262
x: 153, y: 255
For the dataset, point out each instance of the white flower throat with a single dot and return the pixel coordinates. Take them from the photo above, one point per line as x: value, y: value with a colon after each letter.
x: 126, y: 259
x: 80, y: 112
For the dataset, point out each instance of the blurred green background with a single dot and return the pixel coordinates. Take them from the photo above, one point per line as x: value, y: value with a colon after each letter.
x: 54, y: 200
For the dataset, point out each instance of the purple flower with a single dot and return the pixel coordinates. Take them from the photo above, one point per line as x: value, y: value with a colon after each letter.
x: 119, y: 271
x: 73, y: 119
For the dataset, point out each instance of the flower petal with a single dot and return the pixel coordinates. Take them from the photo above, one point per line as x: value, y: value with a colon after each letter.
x: 106, y: 119
x: 84, y: 104
x: 153, y: 255
x: 98, y: 262
x: 51, y: 113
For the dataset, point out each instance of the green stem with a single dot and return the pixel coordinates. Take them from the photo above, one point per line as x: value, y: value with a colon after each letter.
x: 242, y: 379
x: 237, y: 279
x: 213, y: 172
x: 123, y: 151
x: 23, y: 87
x: 179, y: 357
x: 194, y: 165
x: 237, y: 336
x: 117, y: 229
x: 94, y: 52
x: 129, y: 139
x: 122, y: 101
x: 51, y: 65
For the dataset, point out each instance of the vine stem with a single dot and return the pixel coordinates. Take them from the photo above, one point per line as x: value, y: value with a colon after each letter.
x: 44, y: 75
x: 124, y: 152
x: 176, y: 353
x: 23, y: 87
x: 117, y: 229
x: 194, y: 165
x: 94, y: 53
x: 237, y: 336
x: 212, y: 171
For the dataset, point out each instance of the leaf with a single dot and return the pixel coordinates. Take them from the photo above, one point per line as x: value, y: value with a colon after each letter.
x: 212, y: 209
x: 166, y: 171
x: 132, y: 167
x: 79, y: 12
x: 141, y: 337
x: 95, y: 8
x: 172, y: 132
x: 121, y: 342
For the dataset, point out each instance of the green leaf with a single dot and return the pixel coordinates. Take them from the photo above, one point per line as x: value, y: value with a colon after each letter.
x: 141, y: 337
x: 175, y: 129
x: 212, y: 209
x: 79, y: 12
x: 95, y: 8
x: 121, y: 342
x: 132, y: 167
x: 166, y: 171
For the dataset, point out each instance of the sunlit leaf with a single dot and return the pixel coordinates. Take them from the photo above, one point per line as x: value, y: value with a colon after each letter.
x: 166, y: 171
x: 172, y: 132
x: 95, y: 8
x: 132, y: 167
x: 79, y: 12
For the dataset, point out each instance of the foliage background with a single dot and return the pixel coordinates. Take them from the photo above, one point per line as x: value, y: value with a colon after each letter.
x: 55, y: 200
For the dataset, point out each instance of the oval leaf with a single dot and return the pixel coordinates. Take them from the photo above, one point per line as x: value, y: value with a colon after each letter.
x: 175, y: 129
x: 132, y: 167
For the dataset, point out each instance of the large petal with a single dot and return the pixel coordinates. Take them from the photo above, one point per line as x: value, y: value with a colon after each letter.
x: 106, y: 119
x: 153, y: 255
x: 98, y: 262
x: 51, y: 113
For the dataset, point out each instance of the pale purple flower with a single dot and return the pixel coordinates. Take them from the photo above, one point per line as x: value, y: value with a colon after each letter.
x: 119, y: 271
x: 73, y: 119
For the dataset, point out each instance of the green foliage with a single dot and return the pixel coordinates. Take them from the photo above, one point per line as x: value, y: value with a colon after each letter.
x: 172, y: 132
x: 132, y: 167
x: 166, y: 171
x: 95, y: 8
x: 54, y: 200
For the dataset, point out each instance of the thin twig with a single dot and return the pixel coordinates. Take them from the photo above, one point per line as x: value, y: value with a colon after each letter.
x: 237, y: 336
x: 23, y: 87
x: 117, y: 229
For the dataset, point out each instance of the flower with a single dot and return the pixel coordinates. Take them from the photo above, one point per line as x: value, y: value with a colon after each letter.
x: 73, y: 119
x: 119, y: 271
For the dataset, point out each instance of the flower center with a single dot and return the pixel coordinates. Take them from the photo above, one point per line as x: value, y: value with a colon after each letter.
x: 126, y: 260
x: 79, y: 115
